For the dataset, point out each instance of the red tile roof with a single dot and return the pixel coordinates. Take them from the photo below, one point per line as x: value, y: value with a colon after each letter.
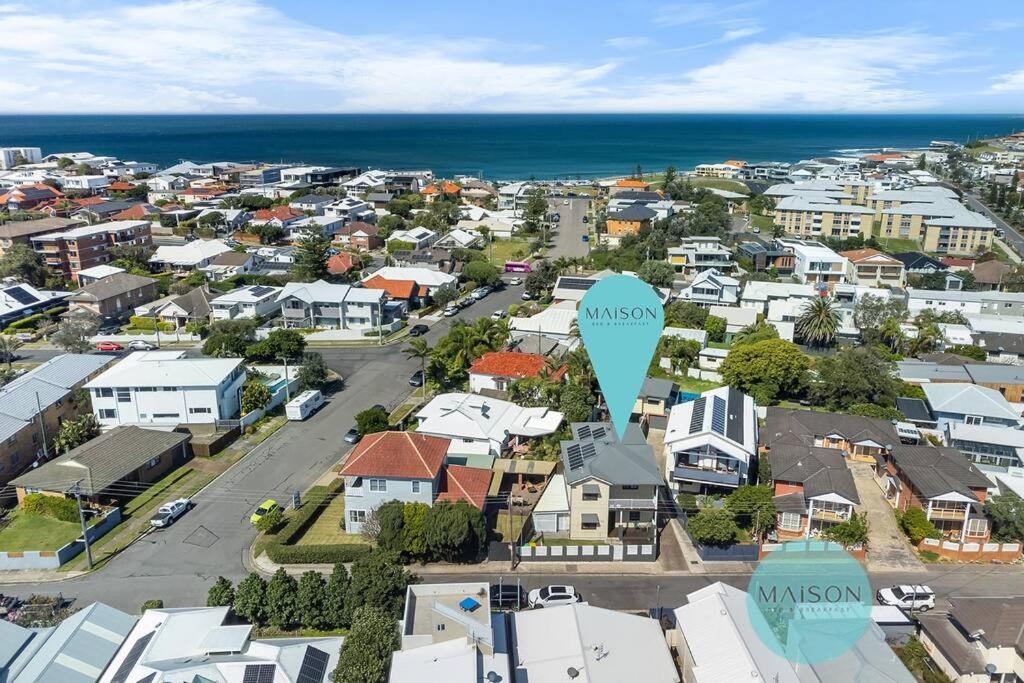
x: 861, y: 254
x: 339, y: 264
x: 632, y: 182
x: 447, y: 186
x: 957, y: 262
x: 280, y: 212
x: 396, y: 289
x: 512, y: 364
x: 396, y: 454
x: 465, y: 483
x: 120, y: 186
x: 137, y: 212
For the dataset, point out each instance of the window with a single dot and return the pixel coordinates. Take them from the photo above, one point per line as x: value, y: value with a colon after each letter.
x: 107, y: 413
x: 164, y: 416
x: 634, y: 515
x: 591, y: 495
x: 357, y: 516
x: 977, y: 526
x: 154, y: 462
x: 105, y: 393
x: 379, y: 485
x: 789, y: 521
x: 415, y: 487
x: 973, y: 419
x: 124, y: 395
x: 200, y: 411
x: 630, y: 487
x: 589, y: 525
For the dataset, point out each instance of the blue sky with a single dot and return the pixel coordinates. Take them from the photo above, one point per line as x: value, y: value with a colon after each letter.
x: 178, y: 56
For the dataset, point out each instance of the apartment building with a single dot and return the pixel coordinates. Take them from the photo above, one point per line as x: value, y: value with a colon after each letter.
x: 22, y: 232
x: 114, y: 295
x: 165, y: 387
x: 817, y: 215
x: 814, y: 262
x: 695, y: 255
x: 67, y: 252
x: 33, y: 406
x: 15, y: 156
x: 873, y: 268
x: 941, y: 225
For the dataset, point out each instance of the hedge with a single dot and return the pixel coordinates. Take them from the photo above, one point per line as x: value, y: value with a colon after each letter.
x: 63, y: 509
x: 142, y: 322
x: 29, y: 322
x: 282, y: 550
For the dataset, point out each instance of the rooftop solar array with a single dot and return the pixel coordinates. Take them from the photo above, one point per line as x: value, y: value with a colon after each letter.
x: 260, y: 290
x: 575, y: 283
x: 314, y: 666
x: 259, y: 673
x: 121, y: 675
x: 20, y: 295
x: 697, y: 417
x: 718, y: 415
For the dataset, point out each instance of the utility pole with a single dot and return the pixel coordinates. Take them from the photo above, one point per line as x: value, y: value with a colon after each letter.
x: 42, y: 427
x: 287, y: 381
x: 380, y: 322
x: 156, y: 327
x: 81, y: 518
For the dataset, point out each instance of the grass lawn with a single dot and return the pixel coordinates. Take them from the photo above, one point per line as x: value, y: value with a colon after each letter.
x: 501, y: 525
x: 35, y: 532
x: 326, y: 530
x: 693, y: 385
x: 764, y: 223
x: 502, y: 250
x: 896, y: 245
x: 1001, y: 254
x: 720, y: 184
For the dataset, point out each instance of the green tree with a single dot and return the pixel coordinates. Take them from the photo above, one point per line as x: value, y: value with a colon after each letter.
x: 310, y: 599
x: 856, y: 375
x: 270, y: 521
x: 713, y: 526
x: 917, y: 526
x: 535, y: 210
x: 64, y: 162
x: 414, y: 530
x: 968, y: 350
x: 852, y: 532
x: 576, y: 402
x: 73, y: 334
x: 311, y: 257
x: 871, y: 311
x: 715, y: 327
x: 444, y: 295
x: 1007, y: 514
x: 9, y: 345
x: 335, y: 613
x: 24, y: 264
x: 390, y: 526
x: 389, y: 224
x: 225, y: 345
x: 751, y: 334
x: 685, y: 314
x: 371, y: 421
x: 420, y: 350
x: 312, y: 374
x: 251, y: 598
x: 657, y: 273
x: 155, y: 603
x: 221, y: 593
x: 255, y: 396
x: 75, y: 432
x: 818, y: 322
x: 872, y: 410
x: 269, y: 233
x: 378, y: 580
x: 282, y: 599
x: 753, y: 508
x: 481, y: 272
x: 366, y: 656
x: 279, y: 344
x: 767, y: 370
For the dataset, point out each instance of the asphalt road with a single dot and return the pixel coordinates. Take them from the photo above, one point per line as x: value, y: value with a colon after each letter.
x: 1010, y: 234
x: 568, y: 240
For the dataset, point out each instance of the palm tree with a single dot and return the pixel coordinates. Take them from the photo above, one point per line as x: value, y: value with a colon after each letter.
x: 927, y: 339
x: 491, y: 334
x: 818, y: 322
x: 418, y: 348
x: 561, y: 264
x: 892, y: 334
x: 9, y: 344
x: 580, y: 369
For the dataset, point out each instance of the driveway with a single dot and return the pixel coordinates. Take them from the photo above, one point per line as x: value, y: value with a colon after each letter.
x: 888, y: 549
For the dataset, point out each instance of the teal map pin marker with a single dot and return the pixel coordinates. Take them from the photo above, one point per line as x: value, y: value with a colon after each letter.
x: 620, y: 320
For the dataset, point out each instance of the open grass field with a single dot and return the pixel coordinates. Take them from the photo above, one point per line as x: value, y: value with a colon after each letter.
x: 35, y: 532
x: 326, y: 530
x: 514, y: 249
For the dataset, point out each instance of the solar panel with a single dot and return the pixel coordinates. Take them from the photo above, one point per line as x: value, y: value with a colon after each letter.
x: 718, y: 415
x: 21, y: 296
x: 121, y: 676
x: 583, y: 432
x: 575, y: 457
x: 148, y: 679
x: 259, y: 673
x: 314, y: 666
x: 260, y: 290
x: 588, y: 450
x: 697, y: 417
x: 575, y: 283
x: 598, y: 432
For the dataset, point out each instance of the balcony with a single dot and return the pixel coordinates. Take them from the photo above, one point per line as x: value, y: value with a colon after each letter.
x: 831, y: 515
x: 632, y: 503
x: 954, y: 514
x: 707, y: 476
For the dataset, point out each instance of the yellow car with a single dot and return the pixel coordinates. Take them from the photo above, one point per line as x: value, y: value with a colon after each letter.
x: 265, y: 507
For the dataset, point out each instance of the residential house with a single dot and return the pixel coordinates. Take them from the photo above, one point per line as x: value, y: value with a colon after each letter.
x: 425, y: 278
x: 513, y: 197
x: 121, y: 459
x: 371, y: 181
x: 379, y: 200
x: 970, y: 404
x: 418, y: 237
x: 408, y: 467
x: 813, y: 487
x: 28, y: 197
x: 22, y: 232
x: 711, y: 443
x: 444, y: 189
x: 115, y: 295
x: 350, y: 209
x: 1001, y: 347
x: 88, y: 184
x: 591, y: 644
x: 991, y: 448
x: 180, y: 309
x: 711, y: 359
x: 321, y: 304
x: 255, y: 301
x: 735, y: 318
x: 229, y: 264
x: 448, y: 633
x: 655, y: 400
x: 410, y: 294
x: 278, y: 216
x: 322, y: 225
x: 342, y: 263
x: 720, y: 639
x: 76, y: 650
x: 873, y: 268
x: 33, y: 406
x: 67, y: 252
x: 695, y: 255
x: 317, y: 175
x: 359, y: 235
x: 475, y: 419
x: 229, y: 219
x: 977, y: 640
x: 20, y: 300
x: 190, y: 256
x: 432, y: 258
x: 96, y: 273
x: 208, y: 644
x: 988, y: 275
x: 699, y: 336
x: 859, y: 438
x: 711, y: 288
x: 313, y: 203
x: 556, y: 321
x: 116, y: 210
x: 1005, y: 378
x: 765, y: 257
x: 814, y: 262
x: 916, y: 263
x: 166, y: 387
x: 758, y: 296
x: 612, y: 484
x: 942, y: 482
x: 259, y: 176
x: 457, y: 238
x: 495, y: 371
x: 405, y: 182
x: 629, y: 220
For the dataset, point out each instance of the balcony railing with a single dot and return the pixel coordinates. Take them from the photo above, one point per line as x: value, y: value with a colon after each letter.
x: 830, y: 515
x: 707, y: 476
x: 946, y: 513
x: 632, y: 503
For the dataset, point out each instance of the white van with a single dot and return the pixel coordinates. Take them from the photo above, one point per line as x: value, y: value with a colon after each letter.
x: 303, y: 405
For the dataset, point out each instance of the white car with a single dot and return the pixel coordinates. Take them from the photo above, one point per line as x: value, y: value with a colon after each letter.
x: 909, y: 597
x: 516, y: 281
x: 498, y: 315
x: 450, y: 311
x: 140, y: 345
x: 552, y: 596
x: 526, y: 296
x: 169, y: 513
x: 566, y: 202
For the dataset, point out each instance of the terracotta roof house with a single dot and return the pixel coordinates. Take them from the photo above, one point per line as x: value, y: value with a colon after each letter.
x: 404, y: 466
x: 872, y: 268
x: 137, y: 212
x: 398, y: 290
x: 120, y: 186
x: 279, y: 215
x: 25, y: 197
x: 359, y: 235
x: 435, y: 191
x: 632, y: 184
x: 496, y: 370
x: 341, y: 264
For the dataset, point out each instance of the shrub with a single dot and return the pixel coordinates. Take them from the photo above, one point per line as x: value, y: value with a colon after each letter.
x: 917, y: 526
x: 713, y: 526
x: 63, y: 509
x: 142, y: 322
x: 31, y: 322
x: 874, y: 410
x: 317, y: 554
x: 155, y: 603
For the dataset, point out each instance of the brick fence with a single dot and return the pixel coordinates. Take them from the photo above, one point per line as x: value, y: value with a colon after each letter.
x: 973, y: 552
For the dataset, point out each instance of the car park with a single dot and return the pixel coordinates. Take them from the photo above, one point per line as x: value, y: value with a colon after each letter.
x: 353, y: 435
x: 168, y: 513
x: 417, y: 330
x: 498, y: 315
x: 108, y: 346
x: 417, y: 379
x: 508, y: 596
x: 911, y: 597
x: 140, y: 345
x: 552, y: 596
x: 265, y: 508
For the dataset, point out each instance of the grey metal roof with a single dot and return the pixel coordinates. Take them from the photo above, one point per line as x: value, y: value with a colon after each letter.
x: 914, y: 409
x: 633, y: 212
x: 595, y: 452
x: 908, y: 370
x: 656, y: 387
x: 996, y: 341
x: 958, y: 650
x: 1000, y: 618
x: 108, y: 458
x: 111, y: 286
x: 820, y: 470
x: 938, y: 471
x: 995, y: 373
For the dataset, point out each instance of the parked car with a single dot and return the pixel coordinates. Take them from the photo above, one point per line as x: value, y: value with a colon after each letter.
x: 108, y: 346
x: 526, y: 296
x: 756, y: 230
x: 555, y: 217
x: 566, y: 202
x: 109, y: 328
x: 586, y: 219
x: 909, y: 597
x: 465, y: 302
x: 480, y: 292
x: 169, y: 513
x: 450, y: 311
x: 552, y: 596
x: 498, y: 314
x: 25, y: 336
x: 353, y: 435
x: 417, y: 330
x: 516, y: 281
x: 508, y: 596
x: 264, y: 508
x: 417, y: 379
x: 140, y: 345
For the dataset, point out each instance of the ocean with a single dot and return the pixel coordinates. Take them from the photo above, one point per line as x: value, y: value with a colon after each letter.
x: 494, y: 146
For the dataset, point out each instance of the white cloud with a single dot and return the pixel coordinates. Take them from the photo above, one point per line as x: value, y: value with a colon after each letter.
x: 629, y: 42
x: 1011, y: 82
x: 697, y: 13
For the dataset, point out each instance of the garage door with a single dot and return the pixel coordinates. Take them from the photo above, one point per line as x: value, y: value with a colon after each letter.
x: 546, y: 522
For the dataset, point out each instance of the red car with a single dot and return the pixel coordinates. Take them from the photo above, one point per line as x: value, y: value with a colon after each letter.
x: 108, y: 346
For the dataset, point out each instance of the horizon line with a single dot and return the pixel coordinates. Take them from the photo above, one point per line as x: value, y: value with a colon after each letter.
x: 522, y: 113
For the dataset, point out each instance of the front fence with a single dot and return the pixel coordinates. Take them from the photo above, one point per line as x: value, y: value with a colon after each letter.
x: 626, y: 552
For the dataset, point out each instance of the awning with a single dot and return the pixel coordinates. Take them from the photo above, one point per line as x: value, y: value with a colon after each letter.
x: 588, y: 518
x: 591, y: 490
